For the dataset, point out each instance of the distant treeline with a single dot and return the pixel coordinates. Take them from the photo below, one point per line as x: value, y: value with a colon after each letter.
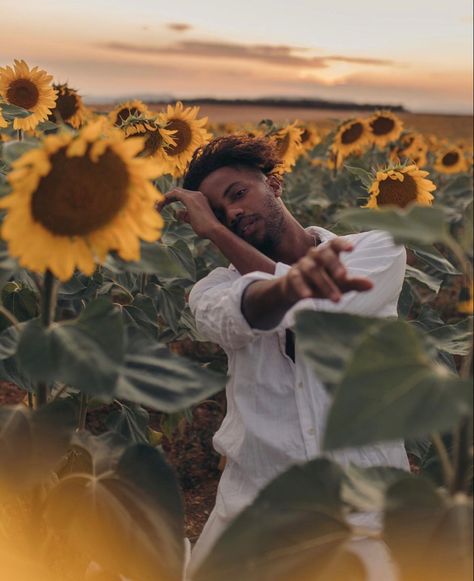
x: 299, y: 103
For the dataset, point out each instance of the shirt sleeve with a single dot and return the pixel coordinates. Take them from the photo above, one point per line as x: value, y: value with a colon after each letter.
x: 376, y: 257
x: 215, y: 302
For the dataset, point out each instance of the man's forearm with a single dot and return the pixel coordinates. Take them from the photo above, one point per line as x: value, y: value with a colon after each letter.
x: 264, y: 303
x: 241, y: 254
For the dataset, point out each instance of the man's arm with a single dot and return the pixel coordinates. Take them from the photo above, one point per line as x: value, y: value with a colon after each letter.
x: 199, y: 214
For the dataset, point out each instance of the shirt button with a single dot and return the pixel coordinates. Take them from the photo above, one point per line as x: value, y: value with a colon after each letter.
x: 311, y: 431
x: 300, y: 384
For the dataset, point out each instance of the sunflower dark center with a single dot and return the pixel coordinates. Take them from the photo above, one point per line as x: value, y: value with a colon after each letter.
x: 153, y: 142
x: 125, y: 113
x: 183, y: 136
x: 79, y: 196
x: 67, y: 105
x: 23, y: 93
x: 352, y: 133
x: 382, y: 125
x: 397, y: 193
x: 450, y: 158
x: 305, y: 136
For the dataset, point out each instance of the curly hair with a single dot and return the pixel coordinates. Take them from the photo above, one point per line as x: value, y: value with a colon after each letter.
x: 231, y: 150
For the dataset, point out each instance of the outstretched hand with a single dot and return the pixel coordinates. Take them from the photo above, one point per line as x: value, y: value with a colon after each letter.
x: 198, y: 212
x: 321, y: 274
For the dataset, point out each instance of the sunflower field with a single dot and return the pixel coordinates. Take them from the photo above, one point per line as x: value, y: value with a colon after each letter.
x: 94, y: 320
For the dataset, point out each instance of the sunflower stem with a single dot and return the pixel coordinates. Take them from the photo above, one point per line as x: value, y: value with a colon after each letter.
x: 143, y: 282
x: 20, y: 135
x: 81, y: 426
x: 446, y: 465
x: 48, y: 308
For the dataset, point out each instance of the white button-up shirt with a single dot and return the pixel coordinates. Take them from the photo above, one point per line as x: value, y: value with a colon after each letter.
x: 276, y: 408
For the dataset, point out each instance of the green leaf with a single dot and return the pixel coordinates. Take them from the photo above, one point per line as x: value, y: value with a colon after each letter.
x: 124, y: 514
x: 294, y: 528
x: 430, y: 256
x: 9, y: 341
x: 12, y: 150
x: 429, y: 536
x: 361, y: 174
x: 84, y: 353
x: 155, y: 258
x: 328, y: 340
x: 455, y: 339
x: 21, y: 301
x: 391, y: 389
x: 131, y: 422
x: 428, y: 280
x: 32, y: 443
x: 153, y: 376
x: 418, y: 224
x: 11, y: 112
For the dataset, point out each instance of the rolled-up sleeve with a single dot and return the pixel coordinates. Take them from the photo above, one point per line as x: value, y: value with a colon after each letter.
x: 376, y: 257
x: 215, y: 302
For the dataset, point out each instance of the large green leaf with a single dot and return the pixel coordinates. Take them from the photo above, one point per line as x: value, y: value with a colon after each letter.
x: 32, y: 443
x: 419, y: 224
x: 130, y: 421
x: 124, y: 514
x: 455, y: 339
x: 85, y: 353
x: 429, y: 536
x: 155, y: 258
x: 293, y: 530
x: 153, y: 376
x: 328, y: 340
x: 433, y: 258
x: 392, y: 389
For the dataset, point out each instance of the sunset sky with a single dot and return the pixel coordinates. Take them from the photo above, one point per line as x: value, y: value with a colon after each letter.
x: 417, y: 53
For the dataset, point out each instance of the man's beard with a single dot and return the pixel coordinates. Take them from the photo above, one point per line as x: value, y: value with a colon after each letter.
x: 273, y: 229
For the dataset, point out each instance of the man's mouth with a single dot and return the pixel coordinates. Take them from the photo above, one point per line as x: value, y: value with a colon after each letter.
x: 246, y: 225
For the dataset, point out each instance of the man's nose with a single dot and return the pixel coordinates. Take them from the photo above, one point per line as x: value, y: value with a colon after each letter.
x: 233, y: 215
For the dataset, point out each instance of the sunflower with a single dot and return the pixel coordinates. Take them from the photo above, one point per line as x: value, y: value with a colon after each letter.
x: 400, y: 186
x: 351, y: 137
x: 451, y: 160
x: 409, y: 144
x: 69, y: 107
x: 123, y: 111
x: 190, y: 133
x: 309, y: 137
x: 157, y: 140
x: 384, y: 127
x: 75, y: 198
x: 30, y: 89
x: 287, y: 142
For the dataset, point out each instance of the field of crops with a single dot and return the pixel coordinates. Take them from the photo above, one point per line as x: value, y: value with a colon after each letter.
x: 105, y: 460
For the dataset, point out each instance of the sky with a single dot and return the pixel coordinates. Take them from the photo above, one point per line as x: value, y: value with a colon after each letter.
x: 416, y: 53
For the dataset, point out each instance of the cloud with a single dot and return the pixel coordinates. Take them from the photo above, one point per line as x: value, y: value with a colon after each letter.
x: 280, y: 55
x: 179, y: 26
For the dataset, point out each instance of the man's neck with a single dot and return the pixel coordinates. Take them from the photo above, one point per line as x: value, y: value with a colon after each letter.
x: 295, y: 242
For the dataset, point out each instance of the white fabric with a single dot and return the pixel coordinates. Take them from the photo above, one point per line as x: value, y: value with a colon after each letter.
x: 276, y: 409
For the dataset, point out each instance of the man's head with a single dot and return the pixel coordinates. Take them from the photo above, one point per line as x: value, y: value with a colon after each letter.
x: 237, y: 175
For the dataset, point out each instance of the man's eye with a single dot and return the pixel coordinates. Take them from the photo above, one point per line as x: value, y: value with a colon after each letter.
x: 239, y: 193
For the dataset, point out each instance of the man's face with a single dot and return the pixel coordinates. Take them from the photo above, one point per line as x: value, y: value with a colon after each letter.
x: 248, y: 203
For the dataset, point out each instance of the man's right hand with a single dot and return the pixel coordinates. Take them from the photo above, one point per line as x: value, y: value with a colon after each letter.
x: 321, y: 274
x: 198, y: 211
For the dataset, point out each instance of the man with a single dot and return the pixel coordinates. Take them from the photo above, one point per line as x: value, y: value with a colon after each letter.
x: 276, y: 406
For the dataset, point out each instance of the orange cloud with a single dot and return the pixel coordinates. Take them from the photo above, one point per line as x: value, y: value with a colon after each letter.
x: 179, y: 26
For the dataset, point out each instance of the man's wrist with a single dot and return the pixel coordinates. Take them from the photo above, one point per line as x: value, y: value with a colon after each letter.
x: 215, y: 231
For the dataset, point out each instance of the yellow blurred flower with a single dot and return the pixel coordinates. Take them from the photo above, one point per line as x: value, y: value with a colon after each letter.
x: 384, y: 126
x: 351, y: 137
x: 288, y: 145
x: 450, y: 160
x: 74, y: 199
x: 123, y: 111
x: 69, y: 107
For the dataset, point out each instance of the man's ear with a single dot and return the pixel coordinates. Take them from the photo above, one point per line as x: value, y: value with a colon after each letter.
x: 275, y: 184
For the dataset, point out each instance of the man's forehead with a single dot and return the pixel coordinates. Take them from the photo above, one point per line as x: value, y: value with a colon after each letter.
x: 218, y: 181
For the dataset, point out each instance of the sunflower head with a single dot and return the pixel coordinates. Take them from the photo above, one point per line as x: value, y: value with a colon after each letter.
x: 466, y: 300
x: 310, y: 136
x: 400, y: 186
x: 69, y: 107
x: 188, y: 133
x: 384, y: 127
x: 287, y: 143
x: 351, y: 137
x: 128, y: 109
x: 157, y: 139
x: 76, y: 198
x: 450, y: 160
x: 29, y: 89
x: 3, y: 121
